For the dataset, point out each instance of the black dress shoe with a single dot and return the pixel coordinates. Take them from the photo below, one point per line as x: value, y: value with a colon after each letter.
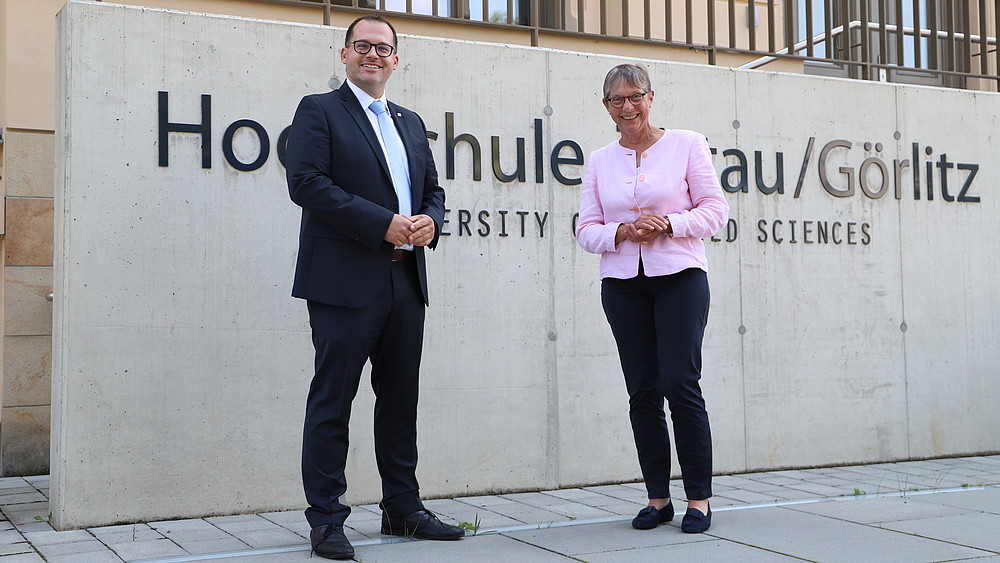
x: 649, y: 517
x: 329, y: 541
x: 422, y: 524
x: 695, y: 522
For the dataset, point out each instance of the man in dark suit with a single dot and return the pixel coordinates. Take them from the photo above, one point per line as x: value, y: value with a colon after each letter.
x: 363, y: 173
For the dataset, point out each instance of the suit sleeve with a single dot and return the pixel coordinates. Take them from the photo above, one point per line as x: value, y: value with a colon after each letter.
x: 309, y: 172
x: 432, y: 203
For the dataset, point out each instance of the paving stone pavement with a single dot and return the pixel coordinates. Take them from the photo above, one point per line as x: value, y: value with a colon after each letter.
x: 917, y: 511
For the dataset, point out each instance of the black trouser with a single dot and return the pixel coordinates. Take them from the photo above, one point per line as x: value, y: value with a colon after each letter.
x: 658, y: 323
x: 390, y: 332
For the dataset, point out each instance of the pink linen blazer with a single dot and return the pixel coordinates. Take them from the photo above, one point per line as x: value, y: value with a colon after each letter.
x: 676, y: 179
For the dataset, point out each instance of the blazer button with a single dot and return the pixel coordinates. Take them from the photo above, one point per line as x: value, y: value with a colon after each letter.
x: 642, y: 177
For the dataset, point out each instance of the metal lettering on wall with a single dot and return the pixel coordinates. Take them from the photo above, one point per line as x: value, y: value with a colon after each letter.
x: 873, y: 177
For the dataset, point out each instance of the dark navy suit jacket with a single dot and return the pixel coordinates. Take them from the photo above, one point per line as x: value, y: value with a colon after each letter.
x: 337, y: 173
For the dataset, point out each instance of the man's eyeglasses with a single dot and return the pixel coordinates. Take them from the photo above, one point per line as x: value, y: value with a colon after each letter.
x: 381, y: 49
x: 618, y: 101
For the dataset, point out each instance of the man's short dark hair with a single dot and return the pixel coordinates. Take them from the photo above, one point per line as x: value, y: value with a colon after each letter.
x: 369, y: 17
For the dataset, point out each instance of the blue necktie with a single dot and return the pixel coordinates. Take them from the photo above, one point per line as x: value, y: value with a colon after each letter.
x: 395, y: 154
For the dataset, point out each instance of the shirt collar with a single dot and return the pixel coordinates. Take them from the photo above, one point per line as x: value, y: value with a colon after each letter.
x: 363, y: 98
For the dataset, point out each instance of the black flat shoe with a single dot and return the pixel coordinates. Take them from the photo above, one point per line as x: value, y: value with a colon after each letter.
x: 422, y: 524
x: 328, y: 541
x: 695, y: 522
x: 649, y: 517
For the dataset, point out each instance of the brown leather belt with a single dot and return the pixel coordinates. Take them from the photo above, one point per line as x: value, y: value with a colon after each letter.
x: 398, y: 254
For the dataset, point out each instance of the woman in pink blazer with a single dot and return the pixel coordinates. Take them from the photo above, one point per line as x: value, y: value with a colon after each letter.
x: 648, y: 199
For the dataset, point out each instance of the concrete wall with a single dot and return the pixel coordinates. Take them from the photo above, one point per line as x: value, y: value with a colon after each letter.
x: 181, y: 364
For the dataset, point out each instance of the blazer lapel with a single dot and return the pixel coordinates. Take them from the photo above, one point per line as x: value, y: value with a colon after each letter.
x: 411, y: 156
x: 357, y: 113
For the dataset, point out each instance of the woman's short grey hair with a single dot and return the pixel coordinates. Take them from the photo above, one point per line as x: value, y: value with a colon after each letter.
x: 633, y: 75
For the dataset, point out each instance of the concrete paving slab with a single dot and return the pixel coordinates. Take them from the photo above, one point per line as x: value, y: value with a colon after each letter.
x: 12, y: 482
x: 286, y: 518
x: 579, y: 495
x: 141, y: 533
x: 878, y: 510
x: 489, y: 520
x: 716, y: 487
x: 70, y: 548
x: 575, y: 511
x: 23, y: 558
x: 241, y: 523
x: 353, y: 535
x: 34, y: 526
x: 26, y: 513
x: 752, y: 485
x: 212, y: 545
x: 722, y: 500
x: 484, y: 500
x: 778, y: 480
x: 622, y: 508
x: 821, y: 539
x: 875, y: 486
x: 529, y: 514
x: 820, y: 490
x: 788, y: 493
x: 987, y: 479
x: 15, y: 548
x: 963, y: 529
x: 10, y: 536
x: 53, y: 537
x: 865, y: 469
x: 487, y: 549
x: 970, y: 469
x: 146, y: 549
x: 186, y: 531
x: 792, y: 473
x: 366, y: 529
x: 753, y: 497
x: 461, y: 512
x: 95, y: 557
x: 709, y: 550
x: 275, y: 537
x: 834, y: 481
x: 618, y: 491
x: 359, y: 515
x: 600, y: 501
x: 450, y: 511
x: 911, y: 468
x: 595, y: 538
x: 982, y: 500
x: 21, y: 496
x: 538, y: 500
x: 291, y: 557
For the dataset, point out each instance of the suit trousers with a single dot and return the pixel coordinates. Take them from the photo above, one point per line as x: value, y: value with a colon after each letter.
x: 658, y: 323
x: 388, y: 332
